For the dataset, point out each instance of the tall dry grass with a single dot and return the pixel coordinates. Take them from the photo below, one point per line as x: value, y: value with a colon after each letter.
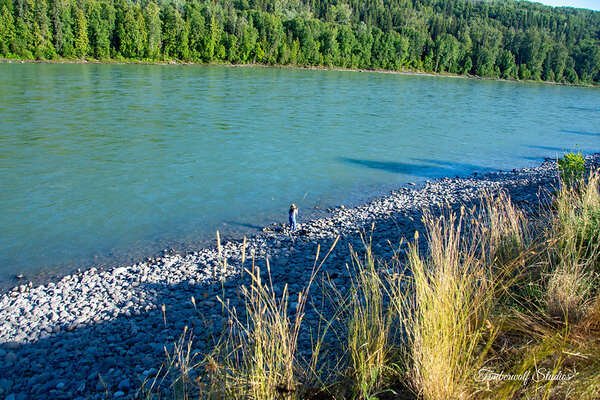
x: 488, y: 292
x: 446, y: 325
x: 561, y: 333
x: 575, y: 249
x: 577, y: 222
x: 369, y: 328
x: 259, y: 359
x: 454, y: 287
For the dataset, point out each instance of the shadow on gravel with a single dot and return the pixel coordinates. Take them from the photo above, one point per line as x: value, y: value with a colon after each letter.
x: 103, y: 359
x: 111, y: 359
x: 427, y: 168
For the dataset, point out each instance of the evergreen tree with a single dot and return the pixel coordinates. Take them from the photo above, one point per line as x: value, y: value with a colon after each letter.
x: 101, y: 23
x: 154, y: 29
x: 80, y: 30
x: 508, y: 39
x: 62, y: 22
x: 42, y: 33
x: 7, y: 32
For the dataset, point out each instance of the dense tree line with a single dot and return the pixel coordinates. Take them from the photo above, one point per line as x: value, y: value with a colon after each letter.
x: 506, y: 39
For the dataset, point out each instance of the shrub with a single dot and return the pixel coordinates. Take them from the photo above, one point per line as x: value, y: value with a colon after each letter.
x: 571, y: 167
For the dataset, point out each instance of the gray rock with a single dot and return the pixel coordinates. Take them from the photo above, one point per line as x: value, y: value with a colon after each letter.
x: 124, y: 385
x: 92, y: 376
x: 5, y: 385
x: 10, y: 357
x: 100, y: 387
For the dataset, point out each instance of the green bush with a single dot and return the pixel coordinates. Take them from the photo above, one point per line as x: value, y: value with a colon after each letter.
x: 571, y: 168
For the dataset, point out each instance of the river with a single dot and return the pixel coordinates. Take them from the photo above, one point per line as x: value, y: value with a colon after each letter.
x: 105, y: 164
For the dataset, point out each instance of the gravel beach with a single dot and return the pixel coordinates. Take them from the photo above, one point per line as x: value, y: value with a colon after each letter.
x: 101, y: 333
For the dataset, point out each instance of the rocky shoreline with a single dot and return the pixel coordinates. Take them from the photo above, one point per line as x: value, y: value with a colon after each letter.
x: 100, y: 334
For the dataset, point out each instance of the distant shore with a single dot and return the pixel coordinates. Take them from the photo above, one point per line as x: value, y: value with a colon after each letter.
x: 409, y: 72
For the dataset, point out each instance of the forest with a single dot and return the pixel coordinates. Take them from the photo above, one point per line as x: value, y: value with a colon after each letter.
x: 496, y: 39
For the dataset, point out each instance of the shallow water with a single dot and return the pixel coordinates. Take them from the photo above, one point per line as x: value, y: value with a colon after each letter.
x: 102, y: 164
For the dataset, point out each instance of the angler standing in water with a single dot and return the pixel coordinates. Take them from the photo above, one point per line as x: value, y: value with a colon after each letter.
x: 293, y: 215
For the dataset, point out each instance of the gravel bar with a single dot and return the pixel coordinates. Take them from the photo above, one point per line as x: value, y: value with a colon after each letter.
x: 100, y: 333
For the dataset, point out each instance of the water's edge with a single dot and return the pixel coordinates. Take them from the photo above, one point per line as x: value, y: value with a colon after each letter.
x: 312, y: 217
x: 110, y: 211
x: 408, y: 72
x: 115, y: 324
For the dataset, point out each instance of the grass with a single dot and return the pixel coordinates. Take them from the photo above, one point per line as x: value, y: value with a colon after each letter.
x: 369, y: 329
x: 577, y: 222
x: 455, y: 286
x: 498, y: 306
x: 452, y: 301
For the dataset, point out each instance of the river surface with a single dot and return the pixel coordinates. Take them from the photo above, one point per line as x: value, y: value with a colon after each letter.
x: 105, y: 164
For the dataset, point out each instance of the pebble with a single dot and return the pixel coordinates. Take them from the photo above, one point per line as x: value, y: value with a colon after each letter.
x: 5, y: 385
x: 10, y: 357
x: 124, y: 385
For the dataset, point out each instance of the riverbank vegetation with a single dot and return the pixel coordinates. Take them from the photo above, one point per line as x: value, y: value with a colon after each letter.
x: 498, y: 305
x: 495, y: 39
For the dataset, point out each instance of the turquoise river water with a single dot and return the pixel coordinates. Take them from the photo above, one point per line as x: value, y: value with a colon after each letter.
x: 105, y: 164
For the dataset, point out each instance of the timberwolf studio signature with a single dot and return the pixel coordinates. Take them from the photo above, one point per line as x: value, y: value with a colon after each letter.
x: 537, y: 375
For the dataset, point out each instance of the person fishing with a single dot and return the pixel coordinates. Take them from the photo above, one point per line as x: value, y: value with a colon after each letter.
x: 293, y: 215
